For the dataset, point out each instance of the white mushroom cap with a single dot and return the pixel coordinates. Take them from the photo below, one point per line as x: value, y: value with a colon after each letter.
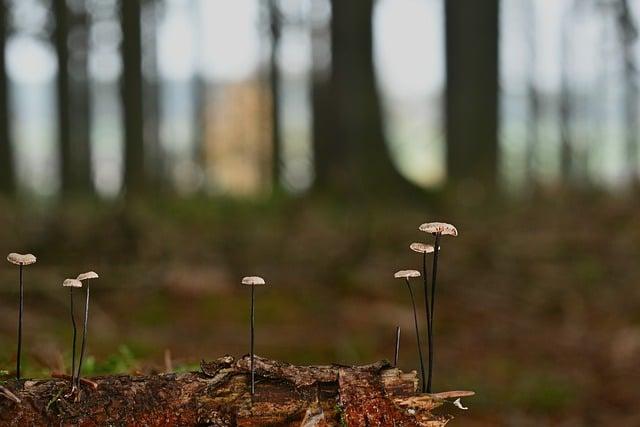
x: 20, y: 259
x: 439, y: 228
x: 405, y: 274
x: 72, y: 283
x: 253, y: 280
x: 87, y: 275
x: 421, y: 248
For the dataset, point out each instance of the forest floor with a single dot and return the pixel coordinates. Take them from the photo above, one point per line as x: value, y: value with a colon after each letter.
x: 538, y: 307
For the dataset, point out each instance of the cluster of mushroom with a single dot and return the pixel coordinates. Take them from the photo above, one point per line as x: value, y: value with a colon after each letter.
x: 71, y: 284
x: 437, y: 230
x: 28, y: 259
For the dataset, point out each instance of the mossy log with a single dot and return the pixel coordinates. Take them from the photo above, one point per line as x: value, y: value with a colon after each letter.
x: 218, y: 395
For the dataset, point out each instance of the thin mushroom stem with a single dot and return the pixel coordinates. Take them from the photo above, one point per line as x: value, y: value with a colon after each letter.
x: 434, y: 274
x: 20, y: 311
x: 427, y: 312
x: 84, y: 335
x: 253, y: 379
x: 415, y: 321
x: 397, y: 348
x: 73, y: 347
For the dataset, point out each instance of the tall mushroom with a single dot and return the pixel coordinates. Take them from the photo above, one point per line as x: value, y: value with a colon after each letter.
x: 21, y: 260
x: 84, y: 276
x: 253, y: 281
x: 406, y: 275
x: 437, y: 229
x: 72, y: 283
x: 424, y: 249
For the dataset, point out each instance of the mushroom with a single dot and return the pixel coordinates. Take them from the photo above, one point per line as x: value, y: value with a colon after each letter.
x: 406, y: 275
x: 72, y: 283
x: 253, y: 281
x: 84, y: 276
x: 21, y: 260
x: 424, y: 249
x: 437, y: 229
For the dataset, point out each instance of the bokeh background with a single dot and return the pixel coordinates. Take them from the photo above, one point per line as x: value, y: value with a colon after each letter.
x: 175, y: 146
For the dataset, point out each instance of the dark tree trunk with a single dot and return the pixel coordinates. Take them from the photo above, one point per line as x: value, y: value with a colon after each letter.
x: 7, y: 177
x: 81, y: 103
x: 628, y: 36
x: 275, y: 27
x: 134, y: 167
x: 324, y: 145
x: 567, y: 167
x: 472, y: 31
x: 152, y: 94
x: 356, y: 160
x: 533, y: 100
x: 200, y: 97
x: 219, y: 395
x: 61, y: 39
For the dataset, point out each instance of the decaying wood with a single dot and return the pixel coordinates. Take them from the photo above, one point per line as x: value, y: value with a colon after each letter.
x: 218, y: 395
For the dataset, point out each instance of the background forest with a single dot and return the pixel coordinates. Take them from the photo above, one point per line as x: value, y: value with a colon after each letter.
x: 174, y: 146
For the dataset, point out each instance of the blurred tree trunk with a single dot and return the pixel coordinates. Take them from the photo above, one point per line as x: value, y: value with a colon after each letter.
x: 472, y: 33
x: 275, y: 27
x: 628, y: 35
x: 356, y: 160
x: 566, y: 110
x: 81, y: 101
x: 7, y: 177
x: 533, y: 98
x: 61, y: 39
x: 131, y: 87
x: 323, y: 142
x: 152, y: 95
x: 72, y: 86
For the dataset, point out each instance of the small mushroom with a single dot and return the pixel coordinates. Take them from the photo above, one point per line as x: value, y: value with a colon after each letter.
x: 82, y: 277
x: 437, y: 229
x: 441, y: 228
x: 71, y: 284
x: 406, y: 275
x: 421, y: 248
x: 424, y: 249
x: 253, y: 281
x: 20, y: 260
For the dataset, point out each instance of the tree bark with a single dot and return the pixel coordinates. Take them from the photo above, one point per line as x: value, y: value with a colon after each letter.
x: 7, y: 177
x: 134, y: 168
x: 218, y: 395
x: 472, y: 32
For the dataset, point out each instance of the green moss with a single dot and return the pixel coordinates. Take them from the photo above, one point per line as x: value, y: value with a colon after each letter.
x: 340, y: 415
x: 544, y: 393
x: 122, y: 361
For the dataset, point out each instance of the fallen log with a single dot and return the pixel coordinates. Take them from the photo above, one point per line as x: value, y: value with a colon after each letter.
x: 219, y: 395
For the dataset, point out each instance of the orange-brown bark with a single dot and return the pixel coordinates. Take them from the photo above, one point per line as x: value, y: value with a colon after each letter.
x: 218, y: 395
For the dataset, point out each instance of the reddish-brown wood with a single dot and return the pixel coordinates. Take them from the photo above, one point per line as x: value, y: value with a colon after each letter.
x: 218, y: 395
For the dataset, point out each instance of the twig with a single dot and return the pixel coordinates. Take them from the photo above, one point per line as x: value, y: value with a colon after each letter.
x: 84, y: 381
x: 9, y: 395
x: 168, y: 363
